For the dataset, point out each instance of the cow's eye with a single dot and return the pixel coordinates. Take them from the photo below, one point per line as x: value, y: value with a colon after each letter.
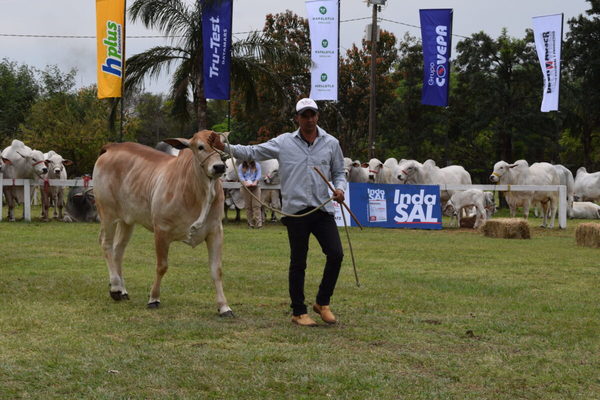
x: 200, y: 147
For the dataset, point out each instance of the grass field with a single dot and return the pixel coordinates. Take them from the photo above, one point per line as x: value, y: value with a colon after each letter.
x: 439, y: 315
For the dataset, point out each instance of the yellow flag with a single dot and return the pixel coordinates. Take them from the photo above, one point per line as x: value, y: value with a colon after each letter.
x: 110, y: 40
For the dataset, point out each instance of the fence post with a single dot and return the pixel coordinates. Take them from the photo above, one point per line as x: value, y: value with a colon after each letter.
x: 27, y: 200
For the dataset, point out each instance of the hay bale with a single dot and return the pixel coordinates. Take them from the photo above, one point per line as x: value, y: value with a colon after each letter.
x: 506, y: 228
x: 588, y: 234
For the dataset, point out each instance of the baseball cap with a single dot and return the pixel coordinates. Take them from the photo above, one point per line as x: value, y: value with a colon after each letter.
x: 306, y: 104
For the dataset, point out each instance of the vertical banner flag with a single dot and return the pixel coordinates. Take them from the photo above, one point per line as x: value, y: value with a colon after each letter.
x: 324, y: 32
x: 436, y: 33
x: 547, y: 31
x: 393, y: 206
x: 216, y: 38
x: 110, y: 43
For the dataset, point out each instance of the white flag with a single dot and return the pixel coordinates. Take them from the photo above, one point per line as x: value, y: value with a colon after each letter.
x: 324, y: 31
x: 547, y: 31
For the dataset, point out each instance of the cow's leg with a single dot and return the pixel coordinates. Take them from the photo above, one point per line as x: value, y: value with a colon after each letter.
x: 10, y: 202
x: 45, y: 204
x: 214, y: 244
x: 108, y: 228
x: 120, y: 241
x: 553, y: 208
x: 161, y: 245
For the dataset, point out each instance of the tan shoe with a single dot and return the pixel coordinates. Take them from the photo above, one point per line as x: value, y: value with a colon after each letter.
x: 303, y: 320
x: 325, y: 313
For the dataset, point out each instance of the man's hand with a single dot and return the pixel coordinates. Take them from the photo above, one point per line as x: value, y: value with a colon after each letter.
x: 215, y: 142
x: 338, y: 195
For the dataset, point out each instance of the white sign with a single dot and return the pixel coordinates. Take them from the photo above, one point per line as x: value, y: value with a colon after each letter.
x: 547, y: 32
x: 324, y: 32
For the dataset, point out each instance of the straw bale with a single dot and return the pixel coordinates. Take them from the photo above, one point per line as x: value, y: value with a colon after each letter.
x: 588, y: 234
x: 506, y: 228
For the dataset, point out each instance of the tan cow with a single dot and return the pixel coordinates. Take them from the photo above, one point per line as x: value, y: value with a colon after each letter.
x: 177, y: 198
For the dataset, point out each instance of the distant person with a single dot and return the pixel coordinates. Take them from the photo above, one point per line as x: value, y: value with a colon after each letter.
x: 249, y: 173
x: 302, y: 190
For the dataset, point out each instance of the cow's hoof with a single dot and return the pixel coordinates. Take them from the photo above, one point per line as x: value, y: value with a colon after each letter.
x: 118, y: 296
x: 227, y: 314
x: 153, y: 305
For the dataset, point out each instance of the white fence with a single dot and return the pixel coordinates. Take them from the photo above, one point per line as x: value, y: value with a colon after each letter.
x: 561, y: 189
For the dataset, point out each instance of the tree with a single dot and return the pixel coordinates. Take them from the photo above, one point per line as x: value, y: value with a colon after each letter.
x: 252, y: 57
x: 582, y: 83
x: 71, y: 123
x: 18, y: 91
x: 498, y: 91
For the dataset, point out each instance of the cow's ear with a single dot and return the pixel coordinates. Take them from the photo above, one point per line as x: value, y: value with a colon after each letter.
x: 178, y: 143
x: 512, y: 165
x: 365, y: 165
x: 6, y: 161
x: 67, y: 162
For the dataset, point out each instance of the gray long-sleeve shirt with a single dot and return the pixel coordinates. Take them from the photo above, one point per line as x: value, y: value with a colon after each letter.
x: 301, y: 185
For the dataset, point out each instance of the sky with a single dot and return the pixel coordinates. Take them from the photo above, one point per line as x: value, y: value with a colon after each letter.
x: 77, y: 18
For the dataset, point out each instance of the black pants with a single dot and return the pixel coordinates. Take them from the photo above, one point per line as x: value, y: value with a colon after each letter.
x: 322, y: 226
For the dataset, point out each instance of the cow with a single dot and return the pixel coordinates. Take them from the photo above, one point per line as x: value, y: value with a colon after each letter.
x: 21, y: 162
x: 520, y: 173
x: 482, y: 203
x: 178, y: 198
x: 414, y: 173
x: 566, y: 178
x: 587, y: 185
x: 54, y: 194
x: 382, y: 172
x: 233, y: 197
x: 271, y: 197
x: 585, y: 210
x: 81, y: 205
x: 358, y: 173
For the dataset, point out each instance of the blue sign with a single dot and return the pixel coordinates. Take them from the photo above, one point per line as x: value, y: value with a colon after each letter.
x: 216, y: 35
x: 396, y: 206
x: 436, y: 33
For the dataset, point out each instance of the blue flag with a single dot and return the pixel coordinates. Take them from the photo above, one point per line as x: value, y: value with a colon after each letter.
x: 216, y: 35
x: 436, y: 32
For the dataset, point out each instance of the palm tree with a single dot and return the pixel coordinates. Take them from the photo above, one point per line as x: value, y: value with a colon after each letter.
x: 252, y: 57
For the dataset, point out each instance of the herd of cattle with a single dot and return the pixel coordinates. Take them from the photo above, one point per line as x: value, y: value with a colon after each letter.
x: 21, y: 162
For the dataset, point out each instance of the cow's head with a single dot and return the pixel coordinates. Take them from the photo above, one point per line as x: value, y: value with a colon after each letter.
x: 56, y: 164
x: 406, y: 170
x: 375, y: 167
x: 272, y: 178
x: 204, y: 155
x: 35, y: 159
x: 3, y: 162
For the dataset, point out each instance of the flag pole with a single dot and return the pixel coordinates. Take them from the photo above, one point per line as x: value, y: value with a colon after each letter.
x: 123, y: 73
x: 230, y: 49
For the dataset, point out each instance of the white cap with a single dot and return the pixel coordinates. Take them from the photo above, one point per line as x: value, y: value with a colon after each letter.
x: 306, y: 104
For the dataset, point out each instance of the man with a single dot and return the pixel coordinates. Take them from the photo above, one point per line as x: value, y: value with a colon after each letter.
x: 302, y: 190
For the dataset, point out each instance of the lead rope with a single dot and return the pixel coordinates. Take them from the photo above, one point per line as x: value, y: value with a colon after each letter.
x: 229, y: 155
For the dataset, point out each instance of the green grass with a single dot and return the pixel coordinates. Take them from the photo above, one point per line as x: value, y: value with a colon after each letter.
x: 439, y: 315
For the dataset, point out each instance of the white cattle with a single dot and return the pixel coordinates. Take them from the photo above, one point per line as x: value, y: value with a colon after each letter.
x: 566, y: 179
x: 233, y: 197
x: 587, y: 185
x: 465, y: 201
x: 358, y: 173
x: 585, y: 210
x: 23, y: 163
x: 520, y: 173
x: 271, y: 197
x: 414, y: 173
x: 178, y: 198
x: 382, y: 172
x: 347, y: 167
x: 54, y: 194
